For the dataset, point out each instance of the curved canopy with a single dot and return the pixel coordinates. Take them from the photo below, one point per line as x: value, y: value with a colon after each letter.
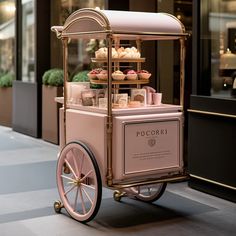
x: 122, y: 24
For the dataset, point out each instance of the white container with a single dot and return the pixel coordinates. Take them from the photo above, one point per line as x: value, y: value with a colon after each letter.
x: 157, y: 98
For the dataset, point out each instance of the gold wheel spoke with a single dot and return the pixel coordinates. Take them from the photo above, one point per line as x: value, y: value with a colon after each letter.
x: 87, y: 195
x: 71, y: 169
x: 82, y: 201
x: 70, y: 189
x: 66, y: 177
x: 75, y: 164
x: 76, y: 198
x: 91, y: 171
x: 88, y: 186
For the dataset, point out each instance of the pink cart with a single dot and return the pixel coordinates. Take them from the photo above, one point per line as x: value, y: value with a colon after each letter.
x: 132, y: 146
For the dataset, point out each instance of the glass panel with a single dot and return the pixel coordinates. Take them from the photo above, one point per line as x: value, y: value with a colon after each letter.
x: 28, y: 40
x: 7, y: 36
x: 222, y: 47
x: 67, y: 7
x: 79, y: 51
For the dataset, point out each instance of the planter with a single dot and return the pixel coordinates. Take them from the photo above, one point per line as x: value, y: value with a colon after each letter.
x: 26, y: 112
x: 6, y: 106
x: 50, y: 113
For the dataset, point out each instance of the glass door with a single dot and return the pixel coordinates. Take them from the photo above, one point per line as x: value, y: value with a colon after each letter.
x: 7, y: 37
x: 28, y: 40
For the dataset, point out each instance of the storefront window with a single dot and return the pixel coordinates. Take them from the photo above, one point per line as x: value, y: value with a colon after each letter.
x: 7, y: 36
x: 219, y: 27
x: 28, y: 40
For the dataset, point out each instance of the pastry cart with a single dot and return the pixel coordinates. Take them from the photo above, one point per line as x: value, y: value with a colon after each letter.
x: 132, y: 146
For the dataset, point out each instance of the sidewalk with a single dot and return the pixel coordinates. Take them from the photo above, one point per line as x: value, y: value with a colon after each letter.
x: 28, y: 190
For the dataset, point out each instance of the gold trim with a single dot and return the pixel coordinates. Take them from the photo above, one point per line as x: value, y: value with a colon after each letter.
x: 147, y: 182
x: 97, y: 81
x: 96, y: 15
x: 213, y: 182
x: 174, y: 17
x: 212, y: 113
x: 141, y: 59
x: 155, y: 34
x: 91, y: 33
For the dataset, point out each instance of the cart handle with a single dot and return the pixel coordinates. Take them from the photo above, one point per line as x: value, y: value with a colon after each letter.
x: 57, y: 30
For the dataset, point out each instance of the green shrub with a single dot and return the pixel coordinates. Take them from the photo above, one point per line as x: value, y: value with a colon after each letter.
x: 46, y: 76
x: 6, y: 80
x: 53, y: 77
x: 82, y: 77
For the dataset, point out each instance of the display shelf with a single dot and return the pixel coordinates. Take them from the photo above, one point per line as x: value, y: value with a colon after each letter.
x: 163, y: 108
x: 119, y: 82
x: 103, y: 60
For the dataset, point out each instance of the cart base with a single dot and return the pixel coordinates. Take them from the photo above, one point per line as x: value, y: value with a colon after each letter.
x: 147, y: 182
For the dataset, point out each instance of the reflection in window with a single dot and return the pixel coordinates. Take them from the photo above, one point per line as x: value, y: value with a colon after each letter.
x: 222, y: 30
x: 79, y: 50
x: 7, y: 36
x: 28, y: 41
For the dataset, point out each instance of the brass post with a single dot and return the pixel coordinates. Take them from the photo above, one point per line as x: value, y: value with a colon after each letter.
x: 182, y: 78
x: 65, y: 59
x: 182, y: 70
x: 138, y: 44
x: 109, y: 111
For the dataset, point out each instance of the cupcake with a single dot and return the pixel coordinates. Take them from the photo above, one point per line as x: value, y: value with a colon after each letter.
x: 102, y: 75
x: 118, y: 75
x: 144, y: 74
x: 131, y: 75
x: 93, y: 73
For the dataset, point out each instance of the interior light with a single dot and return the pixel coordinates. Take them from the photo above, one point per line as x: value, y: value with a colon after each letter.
x: 10, y: 8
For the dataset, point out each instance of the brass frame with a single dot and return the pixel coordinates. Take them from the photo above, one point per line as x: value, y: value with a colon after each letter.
x: 213, y: 182
x: 212, y: 113
x: 110, y: 36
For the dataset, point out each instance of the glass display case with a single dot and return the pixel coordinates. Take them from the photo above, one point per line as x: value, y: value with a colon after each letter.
x: 218, y: 48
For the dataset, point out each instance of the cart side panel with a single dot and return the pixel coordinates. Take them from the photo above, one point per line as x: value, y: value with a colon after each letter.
x: 89, y: 128
x: 147, y: 145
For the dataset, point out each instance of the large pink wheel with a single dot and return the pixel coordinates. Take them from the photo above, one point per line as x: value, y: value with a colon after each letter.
x: 79, y: 181
x: 149, y: 193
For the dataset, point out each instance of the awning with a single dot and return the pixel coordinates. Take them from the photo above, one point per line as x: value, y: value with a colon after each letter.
x: 122, y: 24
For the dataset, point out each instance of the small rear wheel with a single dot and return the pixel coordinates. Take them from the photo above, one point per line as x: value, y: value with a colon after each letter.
x: 149, y: 193
x: 117, y: 195
x: 79, y: 181
x: 57, y: 206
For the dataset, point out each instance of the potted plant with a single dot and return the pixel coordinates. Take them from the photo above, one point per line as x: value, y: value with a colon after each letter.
x: 52, y: 87
x: 83, y: 77
x: 6, y: 98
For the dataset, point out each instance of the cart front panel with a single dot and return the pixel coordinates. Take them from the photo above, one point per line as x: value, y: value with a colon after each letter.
x: 147, y: 145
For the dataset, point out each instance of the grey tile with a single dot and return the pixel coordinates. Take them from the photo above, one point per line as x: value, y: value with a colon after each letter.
x: 27, y: 177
